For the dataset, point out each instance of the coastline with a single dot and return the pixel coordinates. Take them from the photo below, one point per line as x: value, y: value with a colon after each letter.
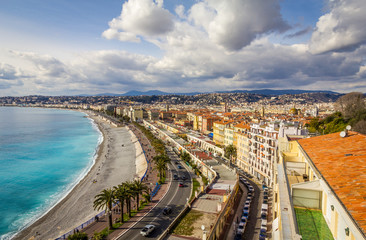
x: 116, y: 156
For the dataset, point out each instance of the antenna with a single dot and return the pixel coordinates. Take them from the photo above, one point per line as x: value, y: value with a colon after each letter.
x: 343, y: 134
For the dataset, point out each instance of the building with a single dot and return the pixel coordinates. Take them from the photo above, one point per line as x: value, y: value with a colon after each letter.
x: 219, y: 131
x: 263, y: 146
x: 241, y: 141
x: 326, y: 175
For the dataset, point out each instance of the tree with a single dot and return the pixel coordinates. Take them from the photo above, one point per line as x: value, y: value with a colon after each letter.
x: 139, y: 188
x: 161, y: 167
x: 360, y: 126
x: 105, y: 200
x: 129, y: 196
x: 350, y: 104
x: 120, y: 193
x: 230, y: 151
x: 185, y: 156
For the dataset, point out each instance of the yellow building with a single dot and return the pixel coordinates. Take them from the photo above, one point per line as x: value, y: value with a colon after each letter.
x: 219, y: 131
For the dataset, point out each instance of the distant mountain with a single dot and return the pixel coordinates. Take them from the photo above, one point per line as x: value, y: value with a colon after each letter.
x: 277, y: 92
x: 259, y: 91
x: 147, y: 93
x: 155, y: 92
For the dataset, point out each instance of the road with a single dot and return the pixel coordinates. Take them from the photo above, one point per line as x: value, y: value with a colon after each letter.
x: 176, y: 198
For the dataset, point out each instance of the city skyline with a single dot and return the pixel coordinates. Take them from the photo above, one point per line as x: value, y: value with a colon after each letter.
x: 61, y: 48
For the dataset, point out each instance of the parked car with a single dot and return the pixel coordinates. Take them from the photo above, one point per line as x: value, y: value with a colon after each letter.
x: 247, y: 204
x: 264, y: 216
x: 181, y: 184
x: 251, y: 189
x: 175, y: 177
x: 167, y: 210
x: 238, y: 236
x: 263, y: 233
x: 147, y: 230
x: 245, y: 215
x: 180, y: 167
x: 246, y: 209
x: 241, y: 227
x: 265, y: 201
x: 183, y: 177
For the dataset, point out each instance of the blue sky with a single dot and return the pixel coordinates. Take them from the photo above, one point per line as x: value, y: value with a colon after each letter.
x: 88, y: 47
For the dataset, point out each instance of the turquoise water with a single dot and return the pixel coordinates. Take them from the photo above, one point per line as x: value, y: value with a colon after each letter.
x: 43, y: 154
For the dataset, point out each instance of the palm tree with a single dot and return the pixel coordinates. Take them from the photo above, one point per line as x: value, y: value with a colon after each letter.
x: 105, y: 200
x: 161, y: 162
x: 129, y: 196
x: 185, y: 156
x: 161, y: 167
x: 120, y: 193
x: 139, y: 188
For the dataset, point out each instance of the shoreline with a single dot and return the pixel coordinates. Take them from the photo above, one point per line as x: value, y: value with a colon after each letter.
x: 115, y: 156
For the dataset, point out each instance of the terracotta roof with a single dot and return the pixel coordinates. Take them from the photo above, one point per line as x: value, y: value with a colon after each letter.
x: 342, y: 162
x: 242, y: 125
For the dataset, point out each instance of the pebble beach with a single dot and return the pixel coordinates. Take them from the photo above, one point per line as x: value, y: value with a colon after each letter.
x: 119, y: 158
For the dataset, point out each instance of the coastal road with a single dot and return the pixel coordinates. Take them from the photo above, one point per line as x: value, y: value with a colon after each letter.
x: 176, y: 198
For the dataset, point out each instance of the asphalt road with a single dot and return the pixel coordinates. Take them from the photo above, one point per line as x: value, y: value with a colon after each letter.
x: 176, y: 198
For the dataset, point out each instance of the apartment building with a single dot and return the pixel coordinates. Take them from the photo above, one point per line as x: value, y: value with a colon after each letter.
x: 229, y: 135
x: 322, y: 175
x: 219, y: 131
x: 241, y: 142
x: 263, y: 146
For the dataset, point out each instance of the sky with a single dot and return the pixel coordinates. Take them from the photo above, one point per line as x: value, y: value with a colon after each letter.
x: 64, y: 47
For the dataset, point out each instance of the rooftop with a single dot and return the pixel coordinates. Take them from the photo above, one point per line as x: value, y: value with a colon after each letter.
x: 342, y: 163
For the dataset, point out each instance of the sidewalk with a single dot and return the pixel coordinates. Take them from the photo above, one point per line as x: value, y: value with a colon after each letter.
x: 150, y: 180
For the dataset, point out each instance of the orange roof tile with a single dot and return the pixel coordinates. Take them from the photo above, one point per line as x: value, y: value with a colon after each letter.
x: 342, y: 162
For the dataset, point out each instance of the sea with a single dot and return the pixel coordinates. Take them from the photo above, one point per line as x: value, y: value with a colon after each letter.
x: 44, y: 153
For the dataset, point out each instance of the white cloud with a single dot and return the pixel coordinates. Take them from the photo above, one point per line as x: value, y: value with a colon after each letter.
x: 234, y: 24
x: 146, y: 18
x: 342, y: 29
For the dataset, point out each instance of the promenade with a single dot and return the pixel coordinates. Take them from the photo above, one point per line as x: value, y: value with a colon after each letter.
x: 150, y: 179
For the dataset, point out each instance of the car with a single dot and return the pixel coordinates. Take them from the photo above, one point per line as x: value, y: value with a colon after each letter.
x: 147, y: 230
x: 183, y: 177
x: 250, y: 194
x: 175, y: 177
x: 241, y: 227
x: 176, y: 162
x: 247, y: 204
x: 246, y: 209
x: 264, y: 216
x: 181, y: 184
x: 265, y: 197
x: 251, y: 189
x: 265, y: 201
x: 265, y: 193
x: 180, y: 167
x: 249, y: 198
x: 264, y: 224
x: 167, y: 210
x: 245, y: 215
x: 238, y: 236
x: 263, y: 233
